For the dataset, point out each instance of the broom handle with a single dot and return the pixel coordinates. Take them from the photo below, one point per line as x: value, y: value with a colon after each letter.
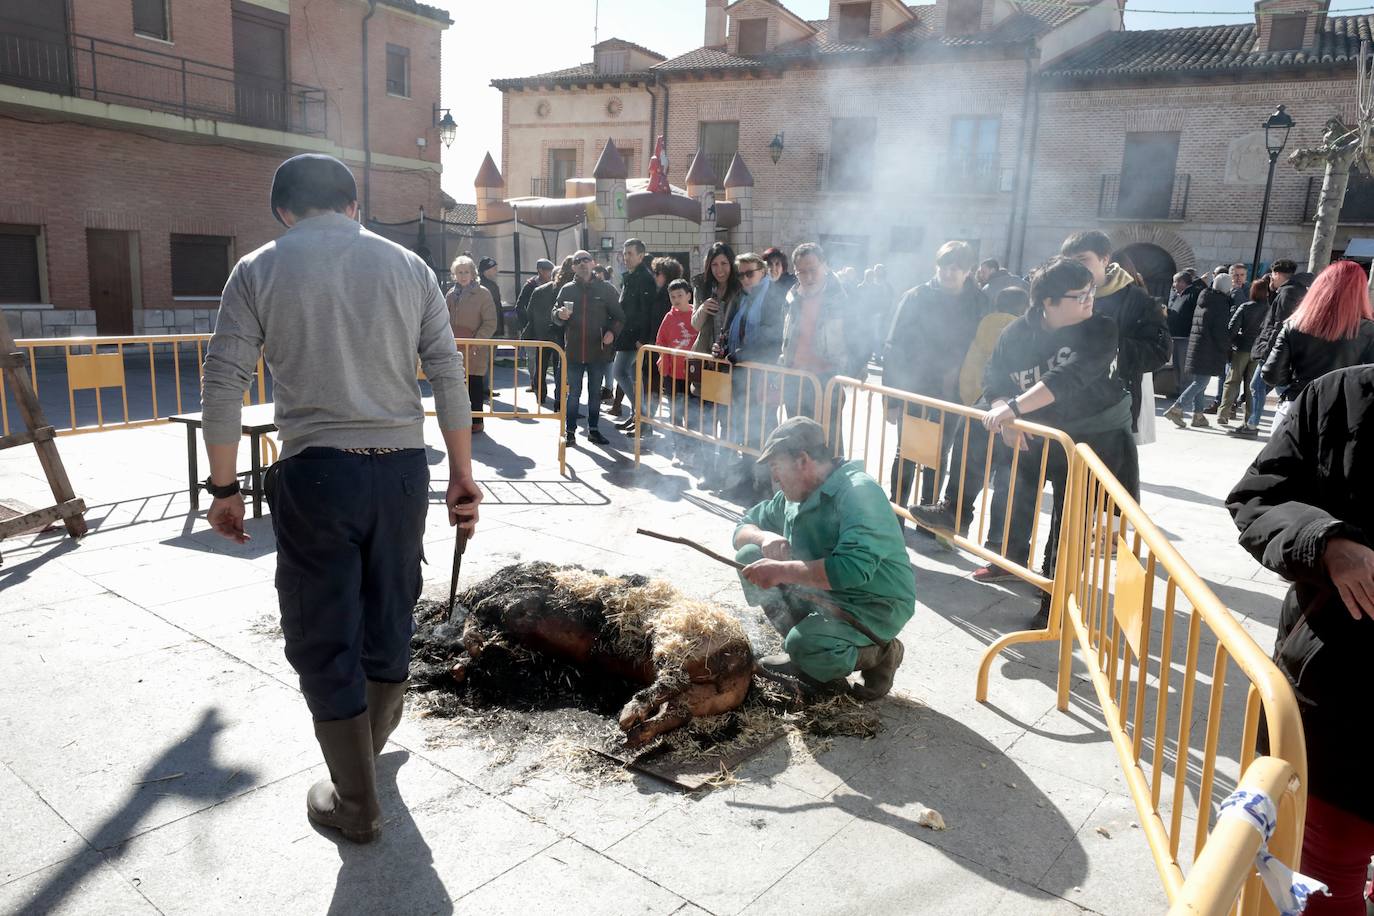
x: 834, y: 610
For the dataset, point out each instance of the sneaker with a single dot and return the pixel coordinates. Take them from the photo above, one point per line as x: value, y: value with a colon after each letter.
x: 991, y: 573
x: 616, y: 411
x: 1200, y: 422
x: 1175, y: 415
x: 1224, y: 417
x: 1245, y: 432
x: 938, y: 516
x: 594, y: 436
x: 626, y: 425
x: 570, y: 437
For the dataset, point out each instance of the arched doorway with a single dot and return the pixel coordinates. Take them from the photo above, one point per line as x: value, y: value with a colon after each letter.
x: 1154, y: 264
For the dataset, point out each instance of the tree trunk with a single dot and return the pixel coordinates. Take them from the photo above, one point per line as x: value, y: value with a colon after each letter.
x: 1334, y: 183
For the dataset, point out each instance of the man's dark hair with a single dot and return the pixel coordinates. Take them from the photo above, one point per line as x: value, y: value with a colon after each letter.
x: 1013, y: 300
x: 1185, y: 275
x: 1054, y: 280
x: 1284, y: 266
x: 1090, y: 240
x: 681, y: 284
x: 808, y: 248
x: 1239, y: 266
x: 635, y: 245
x: 955, y: 253
x: 775, y: 254
x: 991, y: 264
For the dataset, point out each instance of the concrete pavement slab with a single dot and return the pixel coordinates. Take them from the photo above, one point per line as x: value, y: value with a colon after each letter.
x: 571, y: 879
x: 35, y: 835
x: 84, y: 885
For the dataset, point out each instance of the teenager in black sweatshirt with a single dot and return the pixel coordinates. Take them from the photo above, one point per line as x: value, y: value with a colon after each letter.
x: 1055, y: 366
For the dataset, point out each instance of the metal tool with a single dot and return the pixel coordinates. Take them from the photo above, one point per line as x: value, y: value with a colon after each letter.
x: 460, y: 544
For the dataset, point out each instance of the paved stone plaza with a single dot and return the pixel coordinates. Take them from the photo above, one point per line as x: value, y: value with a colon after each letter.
x: 157, y: 752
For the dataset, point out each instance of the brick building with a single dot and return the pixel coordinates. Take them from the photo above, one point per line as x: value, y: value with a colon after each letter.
x: 139, y: 139
x: 1007, y: 124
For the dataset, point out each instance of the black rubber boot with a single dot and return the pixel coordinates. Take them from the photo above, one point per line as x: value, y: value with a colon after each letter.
x: 877, y: 664
x: 384, y: 705
x: 347, y: 800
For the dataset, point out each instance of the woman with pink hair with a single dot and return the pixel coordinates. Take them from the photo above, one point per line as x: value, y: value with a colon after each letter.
x: 1332, y: 329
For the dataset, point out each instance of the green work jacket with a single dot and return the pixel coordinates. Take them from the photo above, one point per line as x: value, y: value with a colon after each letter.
x: 849, y: 523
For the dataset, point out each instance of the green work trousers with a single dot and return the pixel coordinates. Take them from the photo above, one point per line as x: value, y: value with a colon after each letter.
x: 822, y: 647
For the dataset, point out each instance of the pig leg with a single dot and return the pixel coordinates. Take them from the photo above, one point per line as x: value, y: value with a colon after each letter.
x: 474, y: 642
x: 649, y: 701
x: 671, y: 716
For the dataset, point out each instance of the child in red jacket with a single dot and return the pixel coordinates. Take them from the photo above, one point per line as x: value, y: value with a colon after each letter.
x: 676, y: 332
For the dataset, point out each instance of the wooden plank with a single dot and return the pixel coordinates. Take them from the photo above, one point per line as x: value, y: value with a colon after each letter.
x: 36, y: 435
x: 42, y: 518
x: 17, y: 359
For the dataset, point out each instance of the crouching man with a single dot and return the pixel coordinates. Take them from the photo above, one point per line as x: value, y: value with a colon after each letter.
x: 826, y: 561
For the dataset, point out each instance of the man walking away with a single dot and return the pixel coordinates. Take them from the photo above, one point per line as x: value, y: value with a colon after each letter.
x: 1288, y: 295
x: 1188, y: 288
x: 589, y: 311
x: 1243, y: 328
x: 1143, y: 333
x: 543, y: 273
x: 340, y: 314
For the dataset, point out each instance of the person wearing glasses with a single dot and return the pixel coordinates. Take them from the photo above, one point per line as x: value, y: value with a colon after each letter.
x: 589, y: 311
x: 1143, y: 343
x: 1054, y: 366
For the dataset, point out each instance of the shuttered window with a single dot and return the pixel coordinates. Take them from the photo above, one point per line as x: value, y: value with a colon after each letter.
x: 397, y: 70
x: 19, y: 274
x: 200, y: 264
x: 854, y: 20
x: 150, y: 19
x: 753, y: 36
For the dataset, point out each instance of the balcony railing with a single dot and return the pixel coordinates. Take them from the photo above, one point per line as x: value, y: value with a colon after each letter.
x: 1356, y: 209
x: 1142, y: 200
x: 975, y: 174
x: 108, y: 71
x: 720, y: 164
x: 548, y: 187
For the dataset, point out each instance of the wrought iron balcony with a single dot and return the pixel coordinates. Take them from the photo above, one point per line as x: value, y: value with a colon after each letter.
x: 970, y: 174
x: 548, y: 187
x: 108, y: 71
x: 1143, y: 200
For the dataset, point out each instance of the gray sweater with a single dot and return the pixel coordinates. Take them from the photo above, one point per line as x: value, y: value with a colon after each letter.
x: 340, y: 314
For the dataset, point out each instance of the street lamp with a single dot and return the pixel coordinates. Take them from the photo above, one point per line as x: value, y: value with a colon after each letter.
x: 448, y: 128
x: 1275, y: 139
x: 775, y: 148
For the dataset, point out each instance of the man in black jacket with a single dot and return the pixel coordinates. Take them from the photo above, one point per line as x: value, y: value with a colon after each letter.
x: 638, y: 297
x: 1303, y: 510
x: 1288, y: 293
x: 1143, y: 335
x: 1188, y: 286
x: 543, y: 273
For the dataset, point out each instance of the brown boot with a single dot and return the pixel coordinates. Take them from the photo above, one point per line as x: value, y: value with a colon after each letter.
x: 877, y: 664
x: 347, y: 800
x: 384, y: 705
x: 1200, y: 421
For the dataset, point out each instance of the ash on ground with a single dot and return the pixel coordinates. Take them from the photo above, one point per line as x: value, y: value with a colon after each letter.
x: 531, y: 705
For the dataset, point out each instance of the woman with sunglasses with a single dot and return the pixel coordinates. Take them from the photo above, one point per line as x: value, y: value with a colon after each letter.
x: 1053, y: 366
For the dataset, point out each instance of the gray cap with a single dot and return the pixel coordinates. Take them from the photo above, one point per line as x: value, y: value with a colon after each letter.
x: 799, y: 434
x: 543, y: 264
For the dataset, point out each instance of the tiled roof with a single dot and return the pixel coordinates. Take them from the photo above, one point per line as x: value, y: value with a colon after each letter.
x: 1034, y: 18
x: 419, y: 9
x: 630, y: 44
x: 461, y: 213
x: 1210, y: 49
x: 570, y: 76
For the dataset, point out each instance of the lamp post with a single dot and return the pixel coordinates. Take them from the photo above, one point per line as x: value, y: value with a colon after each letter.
x: 1275, y: 139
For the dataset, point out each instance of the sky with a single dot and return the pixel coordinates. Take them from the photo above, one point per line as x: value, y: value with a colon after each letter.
x: 525, y: 37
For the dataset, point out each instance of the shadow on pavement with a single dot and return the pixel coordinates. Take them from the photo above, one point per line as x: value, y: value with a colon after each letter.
x: 395, y: 873
x: 186, y: 769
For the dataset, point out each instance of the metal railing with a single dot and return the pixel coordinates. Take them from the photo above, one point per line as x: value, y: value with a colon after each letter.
x: 109, y: 71
x: 720, y: 164
x: 1113, y: 566
x: 978, y: 174
x: 548, y: 187
x: 1143, y: 202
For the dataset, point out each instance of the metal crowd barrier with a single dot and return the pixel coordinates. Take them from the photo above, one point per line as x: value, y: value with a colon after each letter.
x: 1114, y: 563
x: 949, y: 440
x: 63, y: 369
x: 733, y: 406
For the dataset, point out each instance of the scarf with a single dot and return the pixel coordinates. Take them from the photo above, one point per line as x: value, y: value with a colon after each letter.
x: 747, y: 313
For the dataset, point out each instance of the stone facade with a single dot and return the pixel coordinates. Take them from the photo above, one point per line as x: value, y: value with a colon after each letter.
x: 75, y: 164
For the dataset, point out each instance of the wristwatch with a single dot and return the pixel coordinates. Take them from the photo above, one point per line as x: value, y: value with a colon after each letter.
x: 1015, y: 408
x: 230, y: 489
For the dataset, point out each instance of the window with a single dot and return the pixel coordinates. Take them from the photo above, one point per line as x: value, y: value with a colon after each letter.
x: 718, y: 142
x: 397, y: 70
x: 963, y: 17
x: 753, y: 36
x: 612, y: 61
x: 562, y: 166
x: 151, y: 20
x: 852, y: 142
x: 854, y: 20
x: 1286, y: 33
x: 1146, y: 185
x: 20, y: 276
x: 628, y: 154
x: 973, y: 158
x: 200, y: 264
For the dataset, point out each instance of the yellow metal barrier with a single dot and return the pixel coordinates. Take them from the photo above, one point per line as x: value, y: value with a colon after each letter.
x: 734, y: 406
x: 1113, y: 565
x: 894, y: 432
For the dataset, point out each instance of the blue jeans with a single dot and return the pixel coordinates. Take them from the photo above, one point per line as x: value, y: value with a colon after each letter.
x: 1195, y: 394
x: 623, y: 371
x: 1259, y: 390
x: 594, y: 373
x: 350, y: 531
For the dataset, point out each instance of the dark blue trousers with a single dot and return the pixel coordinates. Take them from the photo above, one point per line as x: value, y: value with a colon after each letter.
x: 350, y: 533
